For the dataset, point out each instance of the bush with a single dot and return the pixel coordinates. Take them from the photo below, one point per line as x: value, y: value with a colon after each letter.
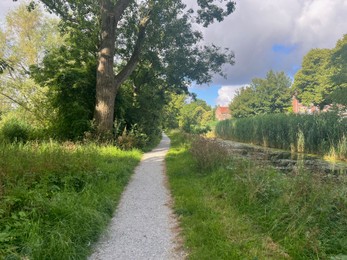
x: 14, y: 130
x: 132, y: 139
x: 208, y: 153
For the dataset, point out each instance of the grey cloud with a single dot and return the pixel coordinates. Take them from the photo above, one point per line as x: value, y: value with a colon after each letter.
x: 255, y: 26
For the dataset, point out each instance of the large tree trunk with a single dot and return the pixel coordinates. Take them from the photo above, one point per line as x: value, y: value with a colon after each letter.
x: 107, y: 84
x: 105, y: 87
x: 105, y: 79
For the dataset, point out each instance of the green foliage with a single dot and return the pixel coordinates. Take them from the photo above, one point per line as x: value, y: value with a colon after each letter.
x: 244, y: 210
x: 320, y: 132
x: 14, y: 130
x: 338, y: 61
x: 187, y: 114
x: 133, y: 138
x: 70, y: 80
x: 263, y: 96
x: 311, y: 81
x: 323, y: 77
x: 55, y: 200
x: 23, y: 39
x: 208, y: 153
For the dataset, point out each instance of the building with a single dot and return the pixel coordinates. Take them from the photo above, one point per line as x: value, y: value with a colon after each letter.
x: 299, y: 108
x: 223, y: 113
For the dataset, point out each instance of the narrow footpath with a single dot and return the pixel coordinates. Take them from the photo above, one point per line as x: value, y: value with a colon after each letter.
x: 144, y: 225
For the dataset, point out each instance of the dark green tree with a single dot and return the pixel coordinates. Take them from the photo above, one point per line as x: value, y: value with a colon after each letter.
x: 244, y: 103
x: 127, y: 29
x: 338, y: 62
x: 311, y: 82
x: 263, y: 96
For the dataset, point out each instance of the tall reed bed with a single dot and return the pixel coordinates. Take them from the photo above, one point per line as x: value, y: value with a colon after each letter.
x: 56, y: 199
x: 300, y: 133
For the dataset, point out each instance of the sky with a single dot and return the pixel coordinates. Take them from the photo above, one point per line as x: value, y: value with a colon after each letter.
x: 264, y: 35
x: 271, y: 34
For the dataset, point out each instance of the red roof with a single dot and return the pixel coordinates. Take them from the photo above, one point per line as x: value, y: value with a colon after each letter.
x: 223, y: 110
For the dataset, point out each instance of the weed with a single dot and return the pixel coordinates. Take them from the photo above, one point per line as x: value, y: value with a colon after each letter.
x: 208, y: 153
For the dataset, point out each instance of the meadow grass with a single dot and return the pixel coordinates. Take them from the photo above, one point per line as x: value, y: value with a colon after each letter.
x: 243, y: 210
x: 56, y: 199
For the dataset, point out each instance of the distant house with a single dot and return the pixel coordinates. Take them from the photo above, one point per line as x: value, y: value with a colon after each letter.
x: 223, y: 113
x: 299, y: 108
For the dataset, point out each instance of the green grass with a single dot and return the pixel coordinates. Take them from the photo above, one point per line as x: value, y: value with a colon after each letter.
x: 246, y: 211
x: 56, y: 199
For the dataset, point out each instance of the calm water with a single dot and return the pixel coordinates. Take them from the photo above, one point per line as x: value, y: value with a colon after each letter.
x: 285, y: 160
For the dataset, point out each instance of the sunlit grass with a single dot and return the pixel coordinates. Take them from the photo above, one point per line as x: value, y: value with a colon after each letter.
x: 57, y: 198
x: 244, y: 210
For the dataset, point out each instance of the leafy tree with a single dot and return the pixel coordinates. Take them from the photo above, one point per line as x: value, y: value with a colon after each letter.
x: 188, y: 113
x: 244, y: 103
x: 311, y: 82
x: 172, y: 110
x: 195, y: 116
x: 69, y: 76
x: 24, y: 39
x: 263, y: 96
x: 128, y: 30
x: 272, y: 93
x: 338, y: 62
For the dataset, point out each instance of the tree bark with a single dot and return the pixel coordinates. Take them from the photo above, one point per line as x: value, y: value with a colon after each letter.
x: 105, y: 79
x: 107, y: 84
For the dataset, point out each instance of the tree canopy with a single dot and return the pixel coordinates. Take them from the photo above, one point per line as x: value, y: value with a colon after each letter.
x: 323, y: 77
x: 122, y: 34
x: 263, y: 96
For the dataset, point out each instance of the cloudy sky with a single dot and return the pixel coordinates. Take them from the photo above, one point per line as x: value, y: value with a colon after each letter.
x: 272, y: 34
x: 264, y: 35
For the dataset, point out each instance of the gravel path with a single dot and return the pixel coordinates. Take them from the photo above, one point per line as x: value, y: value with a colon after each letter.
x: 143, y: 226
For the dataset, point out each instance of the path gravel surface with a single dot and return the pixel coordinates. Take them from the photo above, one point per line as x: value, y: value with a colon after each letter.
x: 144, y: 225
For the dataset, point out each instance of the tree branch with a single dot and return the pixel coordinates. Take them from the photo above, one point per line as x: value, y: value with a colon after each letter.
x: 131, y: 64
x: 17, y: 102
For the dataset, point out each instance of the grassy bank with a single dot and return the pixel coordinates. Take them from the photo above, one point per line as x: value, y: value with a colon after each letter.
x: 56, y: 199
x: 234, y: 209
x: 320, y: 134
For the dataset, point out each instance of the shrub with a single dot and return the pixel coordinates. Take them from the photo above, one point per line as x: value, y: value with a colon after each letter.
x: 135, y: 138
x: 14, y: 130
x: 208, y: 153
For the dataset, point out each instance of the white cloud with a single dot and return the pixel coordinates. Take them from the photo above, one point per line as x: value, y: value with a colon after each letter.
x: 256, y: 26
x: 226, y: 94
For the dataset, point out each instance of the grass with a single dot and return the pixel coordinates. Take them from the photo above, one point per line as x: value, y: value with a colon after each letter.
x: 240, y: 210
x: 56, y: 199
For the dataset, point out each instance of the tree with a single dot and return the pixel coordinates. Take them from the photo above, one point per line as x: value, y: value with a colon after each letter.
x: 24, y: 39
x: 311, y: 82
x: 263, y: 96
x: 338, y: 62
x: 127, y: 29
x: 244, y: 103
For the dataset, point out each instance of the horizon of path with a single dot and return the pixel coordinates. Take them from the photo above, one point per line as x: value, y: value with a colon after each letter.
x: 144, y: 226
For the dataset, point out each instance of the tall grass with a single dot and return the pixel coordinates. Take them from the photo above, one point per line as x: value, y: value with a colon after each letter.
x: 243, y: 210
x: 56, y: 199
x: 310, y: 133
